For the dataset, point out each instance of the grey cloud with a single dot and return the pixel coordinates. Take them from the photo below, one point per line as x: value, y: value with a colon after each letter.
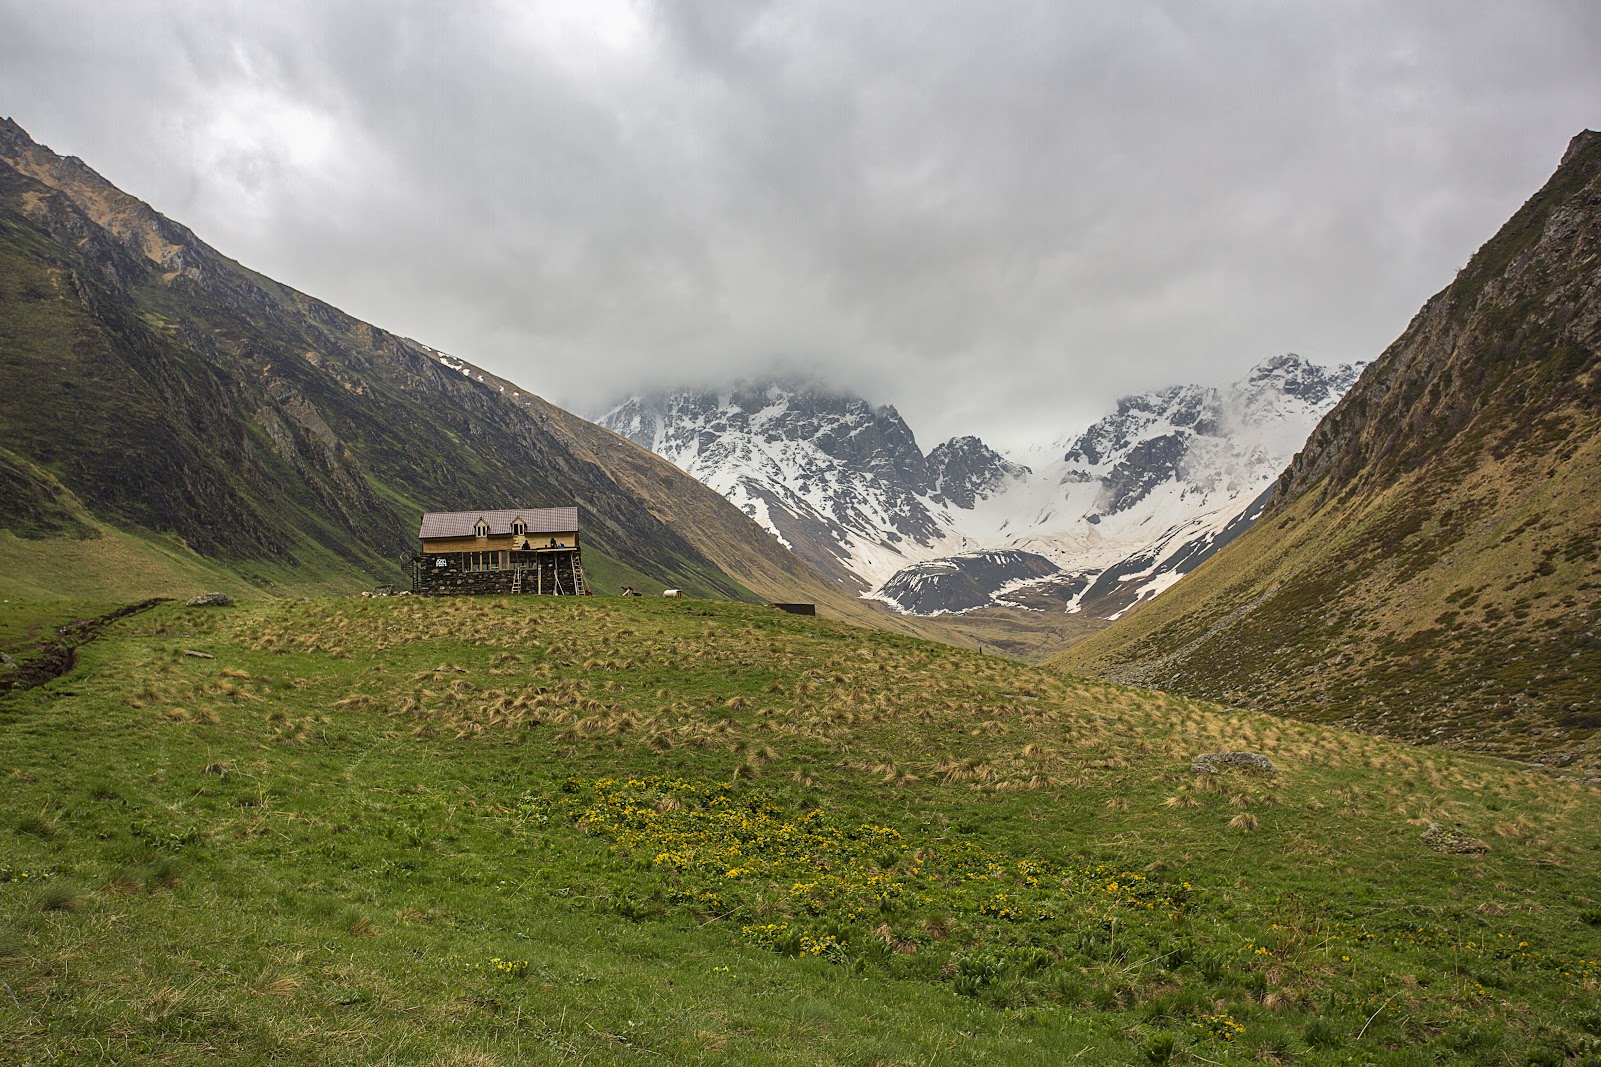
x: 996, y: 216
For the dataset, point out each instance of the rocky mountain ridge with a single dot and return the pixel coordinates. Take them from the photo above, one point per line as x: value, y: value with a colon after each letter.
x: 1095, y: 522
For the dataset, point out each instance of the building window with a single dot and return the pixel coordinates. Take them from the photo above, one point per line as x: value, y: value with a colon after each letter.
x: 481, y: 529
x: 519, y: 527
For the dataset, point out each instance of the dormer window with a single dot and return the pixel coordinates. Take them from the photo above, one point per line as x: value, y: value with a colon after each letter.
x: 519, y: 527
x: 482, y: 528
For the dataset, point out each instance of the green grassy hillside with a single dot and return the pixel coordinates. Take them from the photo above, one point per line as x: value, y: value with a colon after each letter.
x: 101, y: 564
x: 561, y: 831
x: 167, y: 392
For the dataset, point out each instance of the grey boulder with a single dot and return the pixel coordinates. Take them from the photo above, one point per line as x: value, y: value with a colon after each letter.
x: 1451, y: 841
x: 1212, y: 762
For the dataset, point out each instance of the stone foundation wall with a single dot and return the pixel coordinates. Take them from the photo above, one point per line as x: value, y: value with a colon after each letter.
x: 451, y: 580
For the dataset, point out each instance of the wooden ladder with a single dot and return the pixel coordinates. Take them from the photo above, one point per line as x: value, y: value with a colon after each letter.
x: 580, y: 583
x: 517, y: 581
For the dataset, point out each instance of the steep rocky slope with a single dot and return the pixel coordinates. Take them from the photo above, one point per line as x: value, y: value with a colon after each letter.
x: 1431, y: 562
x: 152, y: 384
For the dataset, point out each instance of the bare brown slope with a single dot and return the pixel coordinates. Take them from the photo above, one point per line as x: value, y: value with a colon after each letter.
x: 1431, y: 565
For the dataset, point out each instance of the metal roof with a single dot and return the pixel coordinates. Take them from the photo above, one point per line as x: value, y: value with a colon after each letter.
x: 461, y: 523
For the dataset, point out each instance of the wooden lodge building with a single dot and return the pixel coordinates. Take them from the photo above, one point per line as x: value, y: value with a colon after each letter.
x: 499, y: 553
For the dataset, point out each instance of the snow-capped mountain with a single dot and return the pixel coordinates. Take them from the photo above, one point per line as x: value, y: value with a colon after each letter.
x: 841, y: 483
x: 1093, y: 522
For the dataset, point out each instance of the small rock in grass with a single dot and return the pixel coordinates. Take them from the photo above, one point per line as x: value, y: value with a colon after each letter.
x: 1212, y: 762
x: 1451, y: 841
x: 211, y: 600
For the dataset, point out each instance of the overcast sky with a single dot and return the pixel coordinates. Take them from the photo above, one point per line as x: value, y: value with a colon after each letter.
x: 998, y: 216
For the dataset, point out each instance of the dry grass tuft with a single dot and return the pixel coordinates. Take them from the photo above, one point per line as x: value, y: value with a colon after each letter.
x: 468, y: 1058
x: 283, y: 986
x: 712, y: 1042
x: 162, y: 1003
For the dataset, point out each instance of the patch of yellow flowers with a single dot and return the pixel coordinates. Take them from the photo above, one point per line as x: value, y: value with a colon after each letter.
x: 500, y: 968
x: 728, y: 848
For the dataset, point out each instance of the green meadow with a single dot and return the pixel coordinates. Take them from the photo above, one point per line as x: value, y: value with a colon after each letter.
x: 601, y: 830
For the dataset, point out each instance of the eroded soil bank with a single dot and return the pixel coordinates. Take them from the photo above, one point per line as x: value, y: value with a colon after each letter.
x: 49, y: 660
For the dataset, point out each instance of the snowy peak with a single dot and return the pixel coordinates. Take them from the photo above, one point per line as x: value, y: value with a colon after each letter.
x: 1293, y: 376
x: 846, y: 428
x: 636, y: 420
x: 1134, y: 420
x: 1222, y: 438
x: 964, y: 470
